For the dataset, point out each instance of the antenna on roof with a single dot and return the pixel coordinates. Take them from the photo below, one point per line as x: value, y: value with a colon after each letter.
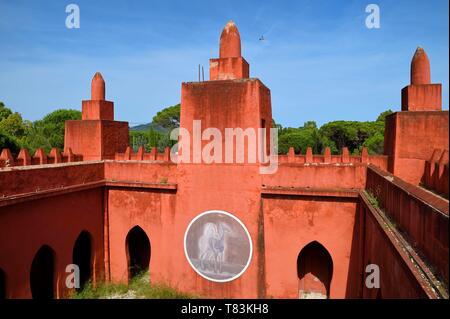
x: 199, y: 72
x: 203, y: 75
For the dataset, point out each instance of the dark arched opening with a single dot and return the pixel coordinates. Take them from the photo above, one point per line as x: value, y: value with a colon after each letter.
x: 42, y: 274
x: 2, y: 285
x: 314, y: 270
x: 138, y: 251
x: 81, y: 256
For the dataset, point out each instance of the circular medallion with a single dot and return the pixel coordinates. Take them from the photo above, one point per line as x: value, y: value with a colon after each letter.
x: 218, y: 246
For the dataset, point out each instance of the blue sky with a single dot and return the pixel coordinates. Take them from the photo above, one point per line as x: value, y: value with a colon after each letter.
x: 319, y: 59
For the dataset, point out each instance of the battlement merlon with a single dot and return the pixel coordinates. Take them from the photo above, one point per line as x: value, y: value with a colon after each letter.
x: 142, y: 155
x: 40, y: 158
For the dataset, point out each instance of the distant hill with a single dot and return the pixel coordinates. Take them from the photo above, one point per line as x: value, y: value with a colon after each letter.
x: 163, y: 122
x: 145, y: 127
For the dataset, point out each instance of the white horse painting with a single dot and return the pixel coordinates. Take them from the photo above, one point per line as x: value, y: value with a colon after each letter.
x: 212, y: 245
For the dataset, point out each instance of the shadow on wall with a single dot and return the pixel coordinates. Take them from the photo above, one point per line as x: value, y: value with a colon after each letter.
x: 314, y: 270
x: 138, y: 251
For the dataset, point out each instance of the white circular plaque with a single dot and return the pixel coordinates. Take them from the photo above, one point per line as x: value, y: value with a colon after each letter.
x: 218, y: 246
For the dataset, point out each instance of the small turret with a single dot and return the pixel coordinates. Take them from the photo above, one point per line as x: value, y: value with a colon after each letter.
x: 230, y: 65
x: 421, y: 94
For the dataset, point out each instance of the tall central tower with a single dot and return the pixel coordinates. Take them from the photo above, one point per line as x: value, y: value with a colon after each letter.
x: 229, y: 100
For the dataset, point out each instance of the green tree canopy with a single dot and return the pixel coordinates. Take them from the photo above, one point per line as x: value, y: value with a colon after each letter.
x: 350, y: 134
x: 7, y: 141
x: 382, y: 116
x: 49, y: 132
x: 4, y: 111
x: 299, y: 138
x: 168, y: 118
x: 336, y: 135
x: 14, y: 125
x: 375, y: 143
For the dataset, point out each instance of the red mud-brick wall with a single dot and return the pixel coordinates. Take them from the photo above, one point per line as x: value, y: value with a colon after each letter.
x: 31, y: 179
x: 228, y: 68
x: 205, y: 187
x: 154, y: 212
x: 376, y: 247
x: 378, y: 160
x: 240, y: 103
x: 421, y: 214
x: 411, y: 138
x: 96, y: 139
x: 291, y: 223
x: 115, y: 138
x: 318, y: 176
x: 162, y: 173
x: 427, y: 97
x: 232, y: 187
x: 54, y: 221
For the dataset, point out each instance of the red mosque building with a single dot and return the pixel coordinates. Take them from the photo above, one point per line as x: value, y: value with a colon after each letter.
x: 315, y: 224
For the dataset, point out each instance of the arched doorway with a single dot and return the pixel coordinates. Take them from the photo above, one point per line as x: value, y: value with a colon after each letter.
x: 2, y: 285
x: 314, y: 270
x: 82, y: 256
x: 138, y: 251
x: 42, y: 274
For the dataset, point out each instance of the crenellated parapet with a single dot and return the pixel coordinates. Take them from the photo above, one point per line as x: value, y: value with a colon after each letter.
x: 328, y: 158
x: 40, y: 157
x: 142, y: 155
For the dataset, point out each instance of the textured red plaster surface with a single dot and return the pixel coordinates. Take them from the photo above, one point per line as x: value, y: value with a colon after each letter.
x: 292, y: 223
x: 56, y: 222
x: 428, y: 130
